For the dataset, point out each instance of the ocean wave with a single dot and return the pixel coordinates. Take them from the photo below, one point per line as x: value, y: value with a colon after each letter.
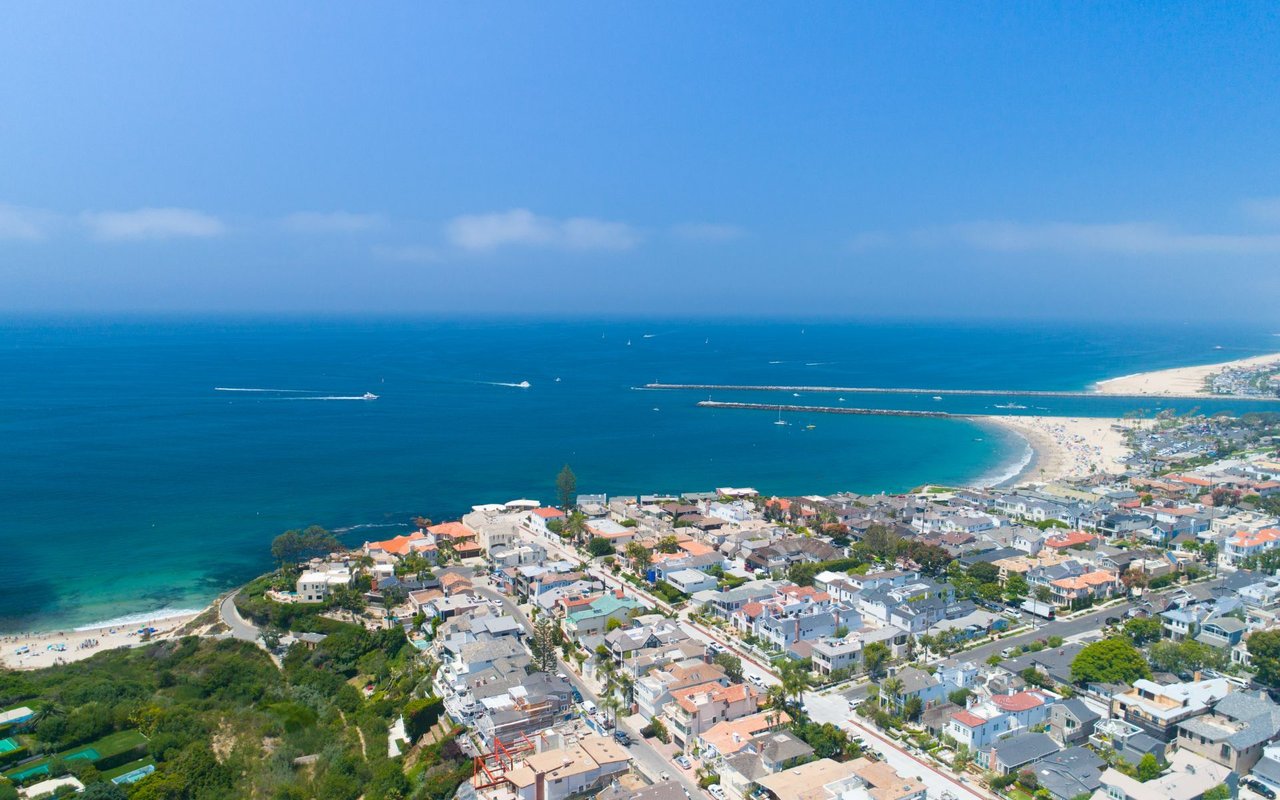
x: 368, y: 525
x: 139, y: 617
x: 1007, y: 472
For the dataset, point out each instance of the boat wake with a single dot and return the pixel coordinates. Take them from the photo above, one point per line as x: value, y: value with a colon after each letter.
x: 520, y: 385
x: 266, y: 391
x: 326, y: 397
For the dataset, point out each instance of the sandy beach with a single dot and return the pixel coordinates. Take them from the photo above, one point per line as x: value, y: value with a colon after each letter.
x: 1068, y: 447
x: 43, y: 648
x: 1180, y: 381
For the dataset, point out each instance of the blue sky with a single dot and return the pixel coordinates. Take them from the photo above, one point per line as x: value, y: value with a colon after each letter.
x: 928, y: 159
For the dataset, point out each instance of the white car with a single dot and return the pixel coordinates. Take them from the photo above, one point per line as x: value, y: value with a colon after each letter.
x: 716, y: 791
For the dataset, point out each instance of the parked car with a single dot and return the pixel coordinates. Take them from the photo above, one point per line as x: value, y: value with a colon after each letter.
x: 622, y: 737
x: 1008, y: 651
x: 716, y: 791
x: 684, y: 762
x: 1259, y: 788
x: 589, y: 707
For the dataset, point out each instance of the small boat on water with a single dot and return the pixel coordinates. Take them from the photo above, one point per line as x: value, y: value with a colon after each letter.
x: 368, y: 396
x: 780, y: 420
x: 810, y: 427
x: 937, y: 397
x: 1009, y: 405
x: 523, y: 385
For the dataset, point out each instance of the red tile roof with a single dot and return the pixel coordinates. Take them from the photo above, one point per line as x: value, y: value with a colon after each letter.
x: 1020, y: 701
x: 549, y: 513
x: 968, y: 719
x: 399, y: 546
x: 452, y: 530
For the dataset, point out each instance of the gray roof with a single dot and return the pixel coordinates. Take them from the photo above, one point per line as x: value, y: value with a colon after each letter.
x: 1079, y: 710
x: 1071, y: 772
x: 914, y: 680
x: 779, y: 746
x: 1269, y: 769
x: 658, y: 791
x: 748, y: 765
x: 1024, y: 748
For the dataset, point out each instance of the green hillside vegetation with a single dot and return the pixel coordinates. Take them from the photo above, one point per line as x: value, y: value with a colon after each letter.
x: 219, y: 720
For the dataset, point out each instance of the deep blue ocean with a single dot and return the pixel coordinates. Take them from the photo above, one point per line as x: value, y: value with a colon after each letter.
x: 129, y: 484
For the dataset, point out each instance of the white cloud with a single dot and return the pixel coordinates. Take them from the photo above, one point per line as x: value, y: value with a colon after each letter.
x: 521, y: 227
x: 1126, y: 238
x: 151, y: 223
x: 708, y: 232
x: 26, y: 224
x: 408, y: 254
x: 332, y: 222
x: 1119, y: 238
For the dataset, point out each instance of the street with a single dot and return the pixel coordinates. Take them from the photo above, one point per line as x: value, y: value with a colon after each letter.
x: 240, y: 627
x: 646, y: 757
x: 835, y: 709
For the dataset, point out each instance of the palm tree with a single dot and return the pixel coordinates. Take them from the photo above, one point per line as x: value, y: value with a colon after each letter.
x: 890, y: 687
x: 611, y: 704
x: 795, y: 680
x: 776, y: 697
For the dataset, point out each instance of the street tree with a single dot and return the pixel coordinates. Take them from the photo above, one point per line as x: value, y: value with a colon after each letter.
x: 566, y: 487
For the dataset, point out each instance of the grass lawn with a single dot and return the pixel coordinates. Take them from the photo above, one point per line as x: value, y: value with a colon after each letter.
x: 118, y: 742
x: 107, y: 747
x: 125, y: 769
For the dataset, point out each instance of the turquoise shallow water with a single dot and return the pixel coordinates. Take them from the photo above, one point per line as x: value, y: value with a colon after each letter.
x: 129, y: 484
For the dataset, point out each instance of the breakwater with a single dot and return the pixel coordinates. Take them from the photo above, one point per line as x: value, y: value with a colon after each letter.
x: 725, y: 387
x: 871, y: 412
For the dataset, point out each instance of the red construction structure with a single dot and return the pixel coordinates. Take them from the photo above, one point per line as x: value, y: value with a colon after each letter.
x: 490, y: 769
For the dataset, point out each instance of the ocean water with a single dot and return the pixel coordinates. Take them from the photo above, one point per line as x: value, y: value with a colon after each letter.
x: 129, y: 483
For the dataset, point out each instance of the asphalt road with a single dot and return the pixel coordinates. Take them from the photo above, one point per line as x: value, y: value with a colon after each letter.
x: 240, y: 627
x: 1065, y: 628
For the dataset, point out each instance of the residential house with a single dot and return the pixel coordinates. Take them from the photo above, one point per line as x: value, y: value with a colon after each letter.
x: 1189, y: 776
x: 689, y: 581
x: 1247, y: 543
x: 1018, y: 751
x: 653, y: 691
x: 1235, y: 732
x: 1071, y: 722
x: 1069, y: 773
x: 314, y: 586
x: 1158, y: 709
x: 593, y: 619
x: 726, y: 739
x: 1095, y: 585
x: 916, y: 684
x: 562, y: 772
x: 694, y: 710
